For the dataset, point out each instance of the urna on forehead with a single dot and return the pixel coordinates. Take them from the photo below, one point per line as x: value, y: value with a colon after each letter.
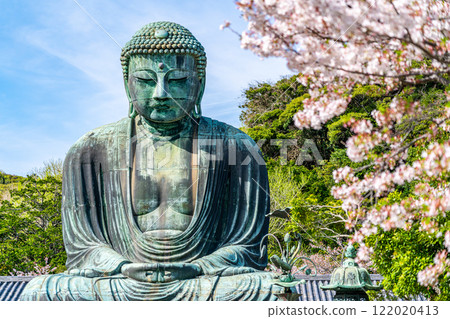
x: 164, y: 38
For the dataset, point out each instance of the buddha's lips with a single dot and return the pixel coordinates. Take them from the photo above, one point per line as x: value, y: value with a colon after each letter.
x: 173, y: 103
x: 163, y: 106
x: 170, y: 103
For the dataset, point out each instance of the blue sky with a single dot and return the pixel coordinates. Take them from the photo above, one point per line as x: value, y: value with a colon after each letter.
x: 60, y: 74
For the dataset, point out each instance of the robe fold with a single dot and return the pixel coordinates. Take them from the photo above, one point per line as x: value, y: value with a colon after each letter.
x: 101, y: 234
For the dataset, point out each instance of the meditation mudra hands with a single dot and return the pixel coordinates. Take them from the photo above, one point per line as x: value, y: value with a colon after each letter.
x: 172, y: 271
x: 158, y: 272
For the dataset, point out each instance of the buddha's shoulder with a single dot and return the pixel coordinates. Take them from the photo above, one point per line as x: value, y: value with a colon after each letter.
x: 221, y: 129
x: 103, y: 134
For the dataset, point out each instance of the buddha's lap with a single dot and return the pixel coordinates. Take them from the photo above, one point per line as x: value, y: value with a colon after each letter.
x: 250, y: 286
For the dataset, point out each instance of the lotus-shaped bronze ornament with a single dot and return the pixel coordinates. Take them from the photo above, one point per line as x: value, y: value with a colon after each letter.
x: 286, y: 262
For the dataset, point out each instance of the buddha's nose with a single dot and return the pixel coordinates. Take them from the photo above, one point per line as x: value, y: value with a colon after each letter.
x: 160, y: 92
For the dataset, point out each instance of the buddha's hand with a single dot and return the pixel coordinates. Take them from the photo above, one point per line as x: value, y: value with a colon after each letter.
x: 89, y: 273
x: 136, y: 271
x: 232, y: 271
x: 157, y: 272
x: 173, y: 271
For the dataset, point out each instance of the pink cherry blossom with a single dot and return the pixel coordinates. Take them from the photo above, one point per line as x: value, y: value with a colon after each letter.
x: 225, y: 24
x: 447, y: 240
x: 429, y: 276
x: 343, y: 43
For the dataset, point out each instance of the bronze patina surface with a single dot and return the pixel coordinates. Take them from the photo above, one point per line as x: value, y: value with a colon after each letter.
x: 165, y: 204
x: 350, y: 281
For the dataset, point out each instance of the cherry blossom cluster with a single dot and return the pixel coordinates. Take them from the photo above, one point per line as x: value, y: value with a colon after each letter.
x: 337, y: 44
x: 432, y: 201
x: 427, y: 204
x: 364, y: 252
x: 37, y: 271
x: 429, y: 276
x: 394, y: 44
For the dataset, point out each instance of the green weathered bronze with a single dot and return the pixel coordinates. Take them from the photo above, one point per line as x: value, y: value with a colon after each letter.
x: 165, y: 204
x: 350, y: 281
x: 284, y: 264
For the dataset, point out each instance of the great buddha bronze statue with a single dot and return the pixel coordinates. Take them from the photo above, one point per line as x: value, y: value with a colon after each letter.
x: 165, y: 204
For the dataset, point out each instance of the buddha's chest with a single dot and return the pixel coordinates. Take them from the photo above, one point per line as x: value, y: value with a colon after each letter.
x: 163, y: 186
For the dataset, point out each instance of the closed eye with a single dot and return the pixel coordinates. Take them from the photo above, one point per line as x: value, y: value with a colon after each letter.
x: 178, y: 78
x: 178, y: 75
x: 148, y: 80
x: 145, y: 76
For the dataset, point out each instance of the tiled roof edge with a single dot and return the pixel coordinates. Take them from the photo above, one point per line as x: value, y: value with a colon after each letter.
x: 16, y: 278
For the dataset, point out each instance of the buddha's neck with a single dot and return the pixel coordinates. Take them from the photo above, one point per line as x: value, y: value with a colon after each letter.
x: 168, y: 130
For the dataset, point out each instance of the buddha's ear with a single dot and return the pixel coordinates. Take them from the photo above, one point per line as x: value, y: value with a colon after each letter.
x: 127, y: 89
x: 201, y: 91
x: 131, y: 110
x: 197, y: 112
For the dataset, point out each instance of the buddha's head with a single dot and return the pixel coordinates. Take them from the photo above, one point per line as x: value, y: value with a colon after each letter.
x: 164, y: 72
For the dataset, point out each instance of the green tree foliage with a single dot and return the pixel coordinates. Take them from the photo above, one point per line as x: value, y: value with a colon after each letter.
x: 305, y: 182
x: 9, y: 179
x: 51, y: 168
x: 398, y: 255
x: 267, y: 115
x: 30, y: 226
x: 7, y: 183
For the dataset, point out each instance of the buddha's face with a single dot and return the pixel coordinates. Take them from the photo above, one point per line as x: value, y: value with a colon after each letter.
x: 163, y: 88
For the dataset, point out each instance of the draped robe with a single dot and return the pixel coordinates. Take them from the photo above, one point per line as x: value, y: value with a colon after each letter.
x: 100, y: 232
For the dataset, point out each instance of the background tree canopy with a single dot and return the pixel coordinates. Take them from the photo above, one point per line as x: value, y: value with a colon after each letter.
x: 267, y: 114
x: 7, y: 183
x: 30, y: 224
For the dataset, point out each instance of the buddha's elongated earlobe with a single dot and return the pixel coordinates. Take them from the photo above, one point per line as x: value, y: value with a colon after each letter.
x: 131, y: 111
x: 197, y: 112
